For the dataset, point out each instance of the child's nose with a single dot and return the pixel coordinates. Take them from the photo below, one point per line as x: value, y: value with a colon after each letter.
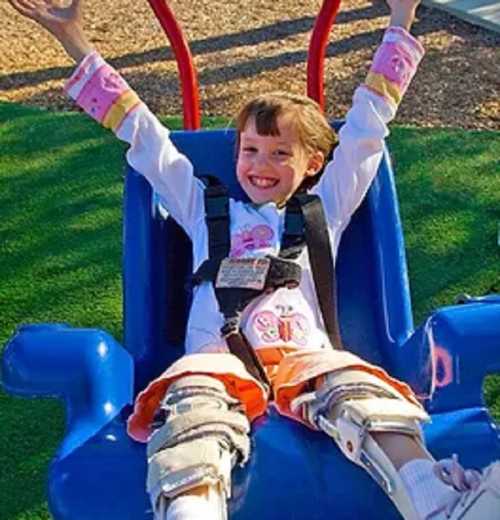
x: 261, y: 160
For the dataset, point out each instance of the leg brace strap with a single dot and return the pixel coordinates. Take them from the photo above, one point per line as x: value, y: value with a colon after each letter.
x: 348, y: 385
x: 205, y: 433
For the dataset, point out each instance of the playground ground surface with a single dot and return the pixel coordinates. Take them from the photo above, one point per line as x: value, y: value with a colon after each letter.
x: 244, y: 48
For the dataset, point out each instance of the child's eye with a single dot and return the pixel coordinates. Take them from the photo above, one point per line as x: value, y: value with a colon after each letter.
x: 249, y: 149
x: 282, y: 153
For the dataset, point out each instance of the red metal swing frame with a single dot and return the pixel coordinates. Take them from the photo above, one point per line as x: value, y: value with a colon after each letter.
x: 187, y: 70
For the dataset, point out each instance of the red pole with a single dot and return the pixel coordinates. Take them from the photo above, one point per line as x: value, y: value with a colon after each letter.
x: 317, y: 48
x: 187, y: 71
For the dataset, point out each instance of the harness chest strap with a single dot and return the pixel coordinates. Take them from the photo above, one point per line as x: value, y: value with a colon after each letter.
x: 238, y: 281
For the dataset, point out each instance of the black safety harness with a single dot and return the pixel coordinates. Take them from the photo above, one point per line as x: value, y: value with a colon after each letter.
x: 237, y: 281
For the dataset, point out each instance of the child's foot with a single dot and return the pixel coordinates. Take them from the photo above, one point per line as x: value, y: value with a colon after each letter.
x: 445, y: 491
x: 476, y: 497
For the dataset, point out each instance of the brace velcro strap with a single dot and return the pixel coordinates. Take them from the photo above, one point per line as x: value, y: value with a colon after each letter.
x: 349, y: 385
x: 313, y: 403
x: 231, y: 427
x: 199, y: 406
x: 183, y: 393
x: 212, y: 390
x: 196, y: 381
x: 220, y: 400
x: 187, y: 466
x: 378, y: 414
x: 348, y: 422
x: 354, y: 391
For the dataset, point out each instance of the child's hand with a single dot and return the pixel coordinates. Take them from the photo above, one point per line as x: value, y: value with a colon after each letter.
x: 52, y: 15
x: 402, y: 12
x: 63, y: 20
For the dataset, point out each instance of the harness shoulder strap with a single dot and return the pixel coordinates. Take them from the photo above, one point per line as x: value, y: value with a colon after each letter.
x: 219, y: 245
x: 217, y: 217
x: 305, y: 217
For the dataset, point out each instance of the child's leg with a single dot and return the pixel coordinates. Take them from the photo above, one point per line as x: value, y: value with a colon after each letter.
x: 375, y: 421
x: 201, y: 432
x: 401, y: 448
x: 204, y: 433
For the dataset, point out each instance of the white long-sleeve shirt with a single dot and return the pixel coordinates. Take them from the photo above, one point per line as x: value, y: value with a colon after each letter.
x: 288, y: 317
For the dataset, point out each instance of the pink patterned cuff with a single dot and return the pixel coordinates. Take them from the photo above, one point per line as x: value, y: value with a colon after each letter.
x: 394, y: 64
x: 393, y: 34
x: 82, y: 73
x: 101, y: 92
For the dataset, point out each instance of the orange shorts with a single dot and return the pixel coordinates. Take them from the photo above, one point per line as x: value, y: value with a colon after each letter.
x: 291, y: 373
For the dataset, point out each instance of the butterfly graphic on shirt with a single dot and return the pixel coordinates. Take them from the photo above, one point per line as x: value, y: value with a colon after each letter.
x: 251, y: 239
x: 284, y: 325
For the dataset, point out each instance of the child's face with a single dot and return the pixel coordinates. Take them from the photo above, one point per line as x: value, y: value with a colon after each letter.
x: 271, y: 168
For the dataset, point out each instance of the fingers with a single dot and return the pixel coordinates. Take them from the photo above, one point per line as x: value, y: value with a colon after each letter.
x: 20, y: 7
x: 50, y: 4
x: 25, y: 7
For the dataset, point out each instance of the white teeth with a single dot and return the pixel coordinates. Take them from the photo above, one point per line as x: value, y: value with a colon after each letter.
x: 263, y: 182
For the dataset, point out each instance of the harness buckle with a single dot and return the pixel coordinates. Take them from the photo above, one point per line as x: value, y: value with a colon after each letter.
x: 231, y: 326
x: 243, y: 273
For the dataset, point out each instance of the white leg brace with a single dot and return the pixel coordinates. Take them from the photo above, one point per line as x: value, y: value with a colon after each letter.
x: 204, y: 435
x: 349, y: 406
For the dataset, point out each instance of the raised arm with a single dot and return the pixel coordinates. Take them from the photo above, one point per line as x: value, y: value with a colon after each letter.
x: 361, y: 139
x: 104, y: 95
x: 64, y: 23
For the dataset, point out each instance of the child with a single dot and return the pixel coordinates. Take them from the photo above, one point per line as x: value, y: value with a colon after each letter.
x: 195, y: 417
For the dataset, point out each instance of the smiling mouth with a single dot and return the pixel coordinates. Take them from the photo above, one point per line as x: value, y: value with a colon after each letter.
x: 262, y: 182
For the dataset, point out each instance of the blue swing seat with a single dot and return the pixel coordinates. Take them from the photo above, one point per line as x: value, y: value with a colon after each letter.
x: 99, y: 473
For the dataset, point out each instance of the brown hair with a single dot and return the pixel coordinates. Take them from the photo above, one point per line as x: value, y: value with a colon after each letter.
x: 314, y: 131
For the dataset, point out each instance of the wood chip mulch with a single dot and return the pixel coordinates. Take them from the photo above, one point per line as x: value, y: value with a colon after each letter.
x: 244, y: 48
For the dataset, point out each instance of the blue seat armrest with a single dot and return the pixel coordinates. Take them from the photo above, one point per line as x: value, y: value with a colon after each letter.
x: 458, y: 346
x: 86, y: 368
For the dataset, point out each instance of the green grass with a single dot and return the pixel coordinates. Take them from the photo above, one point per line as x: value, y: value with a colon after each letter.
x: 60, y: 246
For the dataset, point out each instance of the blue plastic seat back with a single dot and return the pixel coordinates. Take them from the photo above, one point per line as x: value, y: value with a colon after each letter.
x: 374, y: 300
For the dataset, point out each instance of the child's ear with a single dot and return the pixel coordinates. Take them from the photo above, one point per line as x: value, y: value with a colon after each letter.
x: 316, y: 161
